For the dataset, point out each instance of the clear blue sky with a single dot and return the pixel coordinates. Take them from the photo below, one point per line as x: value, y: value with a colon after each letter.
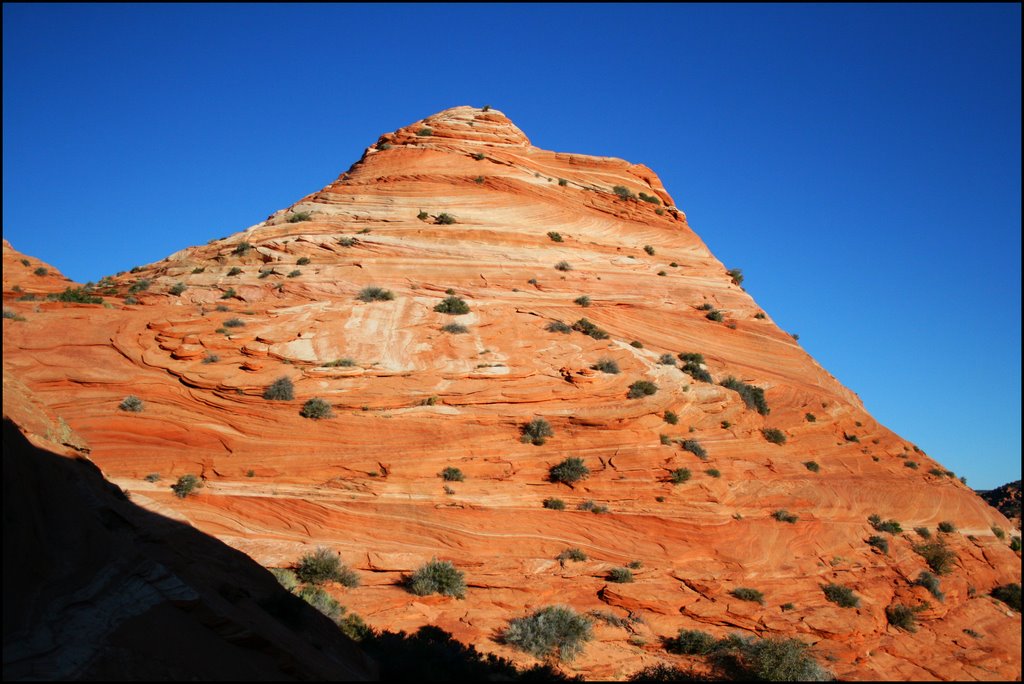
x: 860, y: 163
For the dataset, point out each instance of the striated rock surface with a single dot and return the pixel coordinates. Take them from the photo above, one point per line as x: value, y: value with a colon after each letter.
x: 462, y: 203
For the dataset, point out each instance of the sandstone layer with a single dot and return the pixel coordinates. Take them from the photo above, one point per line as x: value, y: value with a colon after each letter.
x: 211, y: 327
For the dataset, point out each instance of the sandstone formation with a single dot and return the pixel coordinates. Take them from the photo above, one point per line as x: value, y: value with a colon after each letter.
x: 1006, y: 500
x: 461, y: 204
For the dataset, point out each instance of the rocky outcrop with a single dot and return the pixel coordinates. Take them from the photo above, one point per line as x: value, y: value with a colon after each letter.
x: 461, y: 204
x: 1006, y: 500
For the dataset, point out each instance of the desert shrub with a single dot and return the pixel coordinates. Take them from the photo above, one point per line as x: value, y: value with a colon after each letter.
x: 890, y: 526
x: 810, y: 417
x: 437, y: 577
x: 375, y: 294
x: 841, y: 595
x: 302, y: 261
x: 880, y: 543
x: 649, y: 198
x: 323, y: 565
x: 774, y: 435
x: 923, y: 532
x: 694, y: 370
x: 234, y: 323
x: 131, y: 403
x: 347, y: 241
x: 285, y: 577
x: 620, y: 575
x: 587, y: 328
x: 851, y: 438
x: 425, y: 132
x: 478, y: 179
x: 554, y: 632
x: 592, y: 507
x: 451, y: 474
x: 186, y: 485
x: 747, y: 594
x: 606, y: 365
x: 563, y: 266
x: 454, y: 329
x: 452, y: 305
x: 812, y: 466
x: 665, y: 439
x: 445, y: 219
x: 636, y: 344
x: 479, y: 156
x: 555, y: 237
x: 736, y: 275
x: 558, y: 326
x: 229, y: 293
x: 295, y: 273
x: 78, y: 295
x: 235, y: 270
x: 572, y: 554
x: 623, y: 192
x: 42, y: 271
x: 947, y: 526
x: 999, y: 532
x: 649, y: 250
x: 694, y: 447
x: 691, y: 357
x: 667, y: 360
x: 782, y: 515
x: 321, y: 600
x: 931, y: 583
x: 554, y: 504
x: 178, y: 288
x: 198, y: 269
x: 583, y: 301
x: 316, y: 409
x: 902, y: 617
x: 571, y: 470
x: 679, y: 475
x: 153, y: 477
x: 671, y: 418
x: 140, y: 285
x: 1015, y: 543
x: 690, y: 642
x: 713, y: 472
x: 641, y: 388
x: 715, y: 315
x: 344, y: 363
x: 281, y: 389
x: 131, y: 300
x: 537, y: 431
x: 1008, y: 594
x: 753, y: 397
x: 910, y: 464
x: 241, y: 249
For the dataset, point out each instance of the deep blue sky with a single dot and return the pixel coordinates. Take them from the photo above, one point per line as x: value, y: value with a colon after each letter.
x: 860, y: 163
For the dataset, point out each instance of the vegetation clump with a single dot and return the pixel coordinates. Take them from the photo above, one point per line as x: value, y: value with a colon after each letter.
x: 454, y: 329
x: 444, y: 219
x: 573, y: 554
x: 695, y: 448
x: 774, y: 435
x: 186, y: 485
x: 537, y: 431
x: 841, y: 595
x: 812, y: 466
x: 671, y: 418
x: 691, y: 642
x: 375, y: 294
x: 693, y: 369
x: 606, y: 365
x: 747, y: 594
x: 753, y: 397
x: 583, y: 301
x: 559, y: 327
x: 569, y: 471
x: 437, y: 577
x: 931, y: 583
x: 880, y: 543
x: 641, y: 388
x: 649, y: 198
x: 587, y: 328
x: 323, y: 565
x: 890, y: 526
x: 554, y: 632
x: 736, y: 275
x: 131, y: 403
x: 343, y: 363
x: 316, y: 409
x: 178, y: 288
x: 78, y: 295
x: 623, y: 192
x: 281, y: 389
x: 554, y: 504
x: 947, y: 527
x: 1008, y: 594
x: 649, y: 249
x: 782, y: 515
x: 234, y: 323
x: 451, y: 474
x: 679, y: 475
x: 667, y: 360
x: 555, y: 237
x: 901, y: 617
x: 452, y: 305
x: 563, y: 266
x: 620, y: 575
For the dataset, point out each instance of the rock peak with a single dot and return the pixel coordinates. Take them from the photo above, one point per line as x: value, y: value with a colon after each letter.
x: 465, y: 124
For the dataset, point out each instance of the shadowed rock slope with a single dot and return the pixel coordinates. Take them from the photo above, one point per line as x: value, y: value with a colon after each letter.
x: 462, y: 205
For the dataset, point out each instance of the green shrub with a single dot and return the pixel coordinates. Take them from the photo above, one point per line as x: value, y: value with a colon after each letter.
x: 620, y: 575
x: 713, y: 472
x: 437, y: 577
x: 554, y: 504
x: 947, y: 526
x: 537, y: 431
x: 554, y: 632
x: 671, y: 418
x: 572, y: 554
x: 606, y: 365
x: 571, y: 470
x: 78, y: 295
x: 587, y: 328
x: 131, y: 403
x: 910, y: 464
x: 649, y: 250
x: 42, y: 271
x: 1015, y: 543
x: 691, y: 642
x: 747, y: 594
x: 694, y: 447
x: 890, y: 526
x: 679, y: 475
x: 623, y: 192
x: 931, y: 583
x: 422, y: 216
x: 286, y: 578
x: 937, y: 555
x: 726, y: 425
x: 445, y: 219
x: 452, y: 305
x: 282, y: 389
x: 478, y: 180
x: 851, y: 438
x: 295, y: 273
x: 234, y: 271
x: 774, y: 435
x: 229, y: 293
x: 665, y: 439
x: 812, y: 466
x: 302, y: 261
x: 563, y: 266
x: 694, y: 370
x: 641, y: 388
x: 344, y: 363
x: 454, y: 329
x: 999, y: 532
x: 479, y: 156
x: 923, y: 532
x: 234, y: 323
x: 555, y: 237
x: 636, y: 344
x: 1008, y: 594
x: 558, y: 326
x: 562, y: 182
x: 153, y: 477
x: 425, y: 132
x: 347, y: 241
x: 451, y: 474
x: 902, y: 617
x: 841, y: 595
x: 667, y: 360
x: 186, y: 485
x: 592, y: 507
x: 322, y: 601
x: 375, y: 294
x: 691, y: 357
x: 753, y: 397
x: 140, y: 285
x: 736, y: 275
x: 880, y: 543
x: 178, y: 288
x: 787, y: 607
x: 316, y: 409
x: 583, y: 301
x: 782, y: 515
x: 323, y: 565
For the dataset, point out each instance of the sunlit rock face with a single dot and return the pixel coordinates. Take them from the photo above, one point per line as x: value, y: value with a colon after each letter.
x: 461, y: 205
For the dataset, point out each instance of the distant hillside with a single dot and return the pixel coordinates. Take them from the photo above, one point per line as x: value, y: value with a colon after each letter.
x: 1005, y: 499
